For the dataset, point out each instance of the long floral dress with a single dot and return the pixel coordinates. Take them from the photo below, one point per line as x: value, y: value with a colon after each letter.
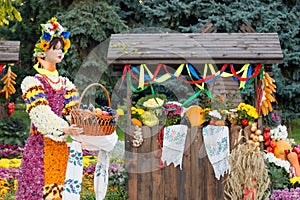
x: 45, y: 154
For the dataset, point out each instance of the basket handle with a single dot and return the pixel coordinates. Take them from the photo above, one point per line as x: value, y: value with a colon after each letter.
x: 95, y: 84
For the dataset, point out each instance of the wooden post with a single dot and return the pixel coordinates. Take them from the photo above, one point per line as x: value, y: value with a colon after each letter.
x: 3, y: 110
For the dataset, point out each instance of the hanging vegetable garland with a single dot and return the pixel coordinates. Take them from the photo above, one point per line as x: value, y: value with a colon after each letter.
x: 8, y: 78
x: 267, y: 90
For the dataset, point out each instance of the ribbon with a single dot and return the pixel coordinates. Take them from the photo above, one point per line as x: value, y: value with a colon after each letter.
x: 246, y: 77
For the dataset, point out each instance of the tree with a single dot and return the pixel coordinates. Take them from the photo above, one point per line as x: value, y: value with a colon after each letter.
x: 90, y: 23
x: 8, y: 12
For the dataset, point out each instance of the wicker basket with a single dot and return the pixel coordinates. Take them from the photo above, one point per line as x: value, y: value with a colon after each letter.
x: 92, y: 124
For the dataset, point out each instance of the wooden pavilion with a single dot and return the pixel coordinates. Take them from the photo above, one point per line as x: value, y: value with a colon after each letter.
x: 196, y: 180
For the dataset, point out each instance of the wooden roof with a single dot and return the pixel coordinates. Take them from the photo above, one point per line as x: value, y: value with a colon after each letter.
x: 9, y: 51
x: 195, y: 48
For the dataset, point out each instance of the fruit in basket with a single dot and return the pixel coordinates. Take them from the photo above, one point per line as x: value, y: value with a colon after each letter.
x: 97, y: 112
x: 105, y: 113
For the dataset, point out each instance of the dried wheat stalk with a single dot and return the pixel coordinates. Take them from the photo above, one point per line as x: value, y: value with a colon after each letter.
x: 248, y: 176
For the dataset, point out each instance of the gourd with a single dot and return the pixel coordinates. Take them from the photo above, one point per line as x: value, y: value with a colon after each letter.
x: 136, y: 122
x: 293, y: 159
x: 281, y: 145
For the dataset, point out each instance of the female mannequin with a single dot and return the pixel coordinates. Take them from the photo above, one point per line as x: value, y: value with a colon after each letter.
x: 49, y: 99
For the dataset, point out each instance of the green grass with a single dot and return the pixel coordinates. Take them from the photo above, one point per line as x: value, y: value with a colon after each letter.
x: 296, y: 130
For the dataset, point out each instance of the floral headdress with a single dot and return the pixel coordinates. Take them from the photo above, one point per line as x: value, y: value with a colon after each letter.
x: 50, y: 30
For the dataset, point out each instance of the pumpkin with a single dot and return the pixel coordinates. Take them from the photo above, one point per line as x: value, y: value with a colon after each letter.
x: 281, y: 145
x: 195, y: 115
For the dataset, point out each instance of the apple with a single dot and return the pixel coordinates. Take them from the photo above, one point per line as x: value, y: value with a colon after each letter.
x: 244, y: 122
x: 105, y: 113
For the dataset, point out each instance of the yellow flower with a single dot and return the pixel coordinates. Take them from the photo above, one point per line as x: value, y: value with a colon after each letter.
x: 15, y: 163
x: 15, y: 185
x: 88, y: 160
x: 67, y: 44
x: 4, y: 163
x: 133, y: 108
x: 44, y: 45
x: 140, y: 111
x: 295, y: 180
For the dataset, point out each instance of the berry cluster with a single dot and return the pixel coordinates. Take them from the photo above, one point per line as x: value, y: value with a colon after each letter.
x: 107, y: 111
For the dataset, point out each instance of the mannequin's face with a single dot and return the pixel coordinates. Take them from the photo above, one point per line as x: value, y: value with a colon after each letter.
x: 55, y: 54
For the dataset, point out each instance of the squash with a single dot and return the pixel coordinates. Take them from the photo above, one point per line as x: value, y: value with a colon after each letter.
x: 281, y: 145
x: 195, y: 115
x: 136, y: 122
x: 293, y: 159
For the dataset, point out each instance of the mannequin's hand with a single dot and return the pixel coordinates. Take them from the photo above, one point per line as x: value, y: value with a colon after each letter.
x: 73, y: 130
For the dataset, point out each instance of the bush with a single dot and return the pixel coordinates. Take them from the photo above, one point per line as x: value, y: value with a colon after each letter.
x: 13, y: 131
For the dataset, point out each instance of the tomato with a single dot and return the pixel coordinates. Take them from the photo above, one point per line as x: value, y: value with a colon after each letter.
x: 273, y: 144
x: 296, y: 150
x: 287, y: 151
x: 267, y: 129
x: 266, y: 136
x: 267, y: 143
x: 270, y: 149
x: 11, y: 105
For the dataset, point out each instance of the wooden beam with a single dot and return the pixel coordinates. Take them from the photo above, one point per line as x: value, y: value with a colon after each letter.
x: 9, y: 51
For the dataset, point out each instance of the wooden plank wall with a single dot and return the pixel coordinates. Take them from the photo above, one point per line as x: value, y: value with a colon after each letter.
x: 227, y: 88
x: 9, y: 51
x: 147, y: 181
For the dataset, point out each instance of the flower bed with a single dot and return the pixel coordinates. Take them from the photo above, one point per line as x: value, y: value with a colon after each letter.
x: 9, y: 170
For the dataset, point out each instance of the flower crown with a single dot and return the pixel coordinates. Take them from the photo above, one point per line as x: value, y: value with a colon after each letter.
x: 50, y: 30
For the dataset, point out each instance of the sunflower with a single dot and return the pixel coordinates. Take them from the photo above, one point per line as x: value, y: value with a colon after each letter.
x: 44, y: 45
x: 67, y: 44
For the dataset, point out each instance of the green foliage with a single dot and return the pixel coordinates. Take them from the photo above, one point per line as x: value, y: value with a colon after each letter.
x: 279, y: 177
x: 90, y: 23
x: 13, y: 131
x: 8, y: 12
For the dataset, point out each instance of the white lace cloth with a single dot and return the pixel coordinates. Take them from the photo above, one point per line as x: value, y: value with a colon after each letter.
x: 173, y: 144
x: 104, y: 144
x: 216, y: 140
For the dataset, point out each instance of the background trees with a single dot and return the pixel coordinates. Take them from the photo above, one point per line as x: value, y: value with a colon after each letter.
x: 91, y: 22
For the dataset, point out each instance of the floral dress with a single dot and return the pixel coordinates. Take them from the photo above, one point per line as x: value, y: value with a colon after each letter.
x: 45, y: 155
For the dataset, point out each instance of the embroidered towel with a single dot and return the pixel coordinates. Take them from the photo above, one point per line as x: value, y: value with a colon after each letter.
x: 173, y: 144
x: 104, y: 144
x: 216, y: 141
x: 72, y: 186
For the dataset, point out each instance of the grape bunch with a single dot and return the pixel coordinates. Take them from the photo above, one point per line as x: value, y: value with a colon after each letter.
x: 111, y: 112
